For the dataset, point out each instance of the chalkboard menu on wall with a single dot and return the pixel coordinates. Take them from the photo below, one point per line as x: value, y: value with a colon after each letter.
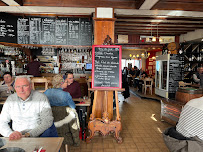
x: 61, y: 28
x: 48, y: 31
x: 35, y: 30
x: 85, y: 32
x: 45, y: 30
x: 106, y: 64
x: 23, y: 31
x: 8, y: 28
x: 175, y: 73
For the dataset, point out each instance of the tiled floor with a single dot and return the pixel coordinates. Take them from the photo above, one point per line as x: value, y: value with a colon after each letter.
x: 142, y: 128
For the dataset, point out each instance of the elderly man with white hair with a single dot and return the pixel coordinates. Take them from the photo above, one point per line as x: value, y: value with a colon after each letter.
x: 29, y: 111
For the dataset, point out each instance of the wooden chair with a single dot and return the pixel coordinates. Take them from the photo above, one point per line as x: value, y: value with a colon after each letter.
x: 148, y: 83
x: 89, y: 86
x: 39, y: 81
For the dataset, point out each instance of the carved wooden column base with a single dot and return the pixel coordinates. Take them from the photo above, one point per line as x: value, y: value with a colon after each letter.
x: 104, y: 126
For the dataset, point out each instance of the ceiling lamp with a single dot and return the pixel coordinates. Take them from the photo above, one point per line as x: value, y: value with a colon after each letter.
x: 145, y: 55
x: 154, y: 58
x: 154, y: 39
x: 160, y: 39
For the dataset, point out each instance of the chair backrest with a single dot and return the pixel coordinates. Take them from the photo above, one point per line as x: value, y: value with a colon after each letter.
x: 148, y: 81
x: 89, y: 81
x: 39, y: 81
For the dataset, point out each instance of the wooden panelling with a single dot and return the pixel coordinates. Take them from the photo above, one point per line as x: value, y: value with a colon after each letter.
x: 165, y: 25
x: 130, y: 4
x: 20, y: 2
x: 2, y: 3
x: 102, y: 28
x: 196, y: 5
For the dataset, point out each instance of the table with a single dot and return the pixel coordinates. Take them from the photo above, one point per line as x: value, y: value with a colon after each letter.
x: 51, y: 144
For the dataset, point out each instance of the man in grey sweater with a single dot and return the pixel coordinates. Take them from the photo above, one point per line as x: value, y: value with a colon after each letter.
x: 29, y: 111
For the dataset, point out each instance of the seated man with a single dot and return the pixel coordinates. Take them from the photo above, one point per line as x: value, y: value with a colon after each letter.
x: 8, y: 83
x: 190, y: 121
x: 58, y: 97
x: 189, y: 128
x: 71, y: 86
x: 28, y: 109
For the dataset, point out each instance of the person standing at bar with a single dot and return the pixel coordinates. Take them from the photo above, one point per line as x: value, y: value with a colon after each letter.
x: 33, y: 67
x: 197, y: 75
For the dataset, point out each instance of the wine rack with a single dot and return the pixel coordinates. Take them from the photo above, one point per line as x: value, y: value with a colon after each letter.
x: 193, y: 58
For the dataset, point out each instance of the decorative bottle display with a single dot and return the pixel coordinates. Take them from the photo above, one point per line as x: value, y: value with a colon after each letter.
x: 193, y: 53
x: 74, y: 58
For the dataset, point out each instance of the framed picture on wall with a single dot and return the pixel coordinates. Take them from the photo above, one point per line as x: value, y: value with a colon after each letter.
x: 150, y: 72
x: 149, y: 67
x: 150, y: 63
x: 150, y: 59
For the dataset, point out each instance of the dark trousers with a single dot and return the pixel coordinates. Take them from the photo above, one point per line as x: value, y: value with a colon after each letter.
x: 50, y: 132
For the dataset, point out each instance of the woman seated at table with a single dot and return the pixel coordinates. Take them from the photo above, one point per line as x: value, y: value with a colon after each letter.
x: 58, y: 97
x: 8, y: 83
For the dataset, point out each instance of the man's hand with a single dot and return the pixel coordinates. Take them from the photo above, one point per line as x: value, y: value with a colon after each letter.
x: 15, y: 135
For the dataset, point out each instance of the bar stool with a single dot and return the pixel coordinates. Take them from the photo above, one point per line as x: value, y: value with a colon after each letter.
x: 148, y: 82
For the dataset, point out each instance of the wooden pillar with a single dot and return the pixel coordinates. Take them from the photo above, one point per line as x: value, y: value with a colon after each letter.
x: 102, y: 28
x: 102, y: 110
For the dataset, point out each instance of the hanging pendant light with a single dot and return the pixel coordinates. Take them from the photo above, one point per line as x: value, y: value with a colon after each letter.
x: 154, y: 39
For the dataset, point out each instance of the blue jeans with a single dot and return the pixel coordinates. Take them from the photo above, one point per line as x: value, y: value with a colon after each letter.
x: 58, y: 97
x: 50, y: 132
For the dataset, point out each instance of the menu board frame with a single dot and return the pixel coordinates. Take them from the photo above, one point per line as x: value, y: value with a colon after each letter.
x: 120, y: 66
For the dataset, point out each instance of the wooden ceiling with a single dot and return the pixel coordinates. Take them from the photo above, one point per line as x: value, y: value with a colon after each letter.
x: 142, y: 24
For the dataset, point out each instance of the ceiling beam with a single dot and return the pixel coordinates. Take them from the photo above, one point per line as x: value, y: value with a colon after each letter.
x: 132, y: 12
x: 158, y: 20
x: 10, y: 2
x: 47, y: 10
x: 148, y: 4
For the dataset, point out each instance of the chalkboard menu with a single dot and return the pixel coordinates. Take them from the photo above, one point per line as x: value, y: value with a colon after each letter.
x: 8, y: 28
x: 48, y: 31
x: 23, y: 31
x: 175, y: 74
x: 45, y: 30
x: 106, y: 64
x: 85, y: 32
x: 61, y: 28
x: 73, y: 31
x: 35, y: 30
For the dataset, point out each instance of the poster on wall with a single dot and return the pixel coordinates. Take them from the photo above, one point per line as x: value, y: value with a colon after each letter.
x: 150, y: 59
